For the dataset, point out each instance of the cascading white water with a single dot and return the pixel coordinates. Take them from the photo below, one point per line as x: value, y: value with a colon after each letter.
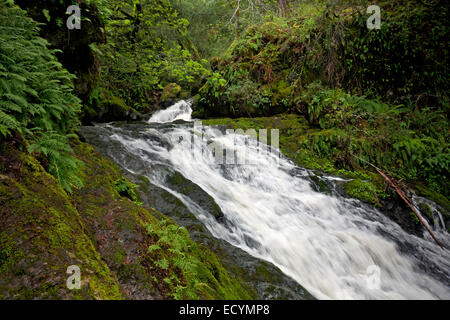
x: 179, y: 111
x: 329, y: 244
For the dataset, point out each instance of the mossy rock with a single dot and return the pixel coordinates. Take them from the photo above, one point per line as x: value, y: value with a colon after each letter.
x: 179, y: 183
x: 363, y: 190
x: 170, y: 94
x: 434, y: 196
x: 41, y: 235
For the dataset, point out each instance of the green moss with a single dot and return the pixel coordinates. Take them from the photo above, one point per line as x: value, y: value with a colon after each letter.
x: 281, y: 92
x: 363, y: 190
x: 10, y: 254
x: 176, y: 178
x: 43, y: 231
x: 433, y: 195
x: 170, y: 92
x: 57, y: 235
x: 322, y: 186
x: 427, y: 210
x: 414, y: 217
x: 144, y: 183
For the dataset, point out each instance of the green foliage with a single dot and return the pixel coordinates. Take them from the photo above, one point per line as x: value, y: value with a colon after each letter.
x: 407, y: 56
x: 36, y: 97
x: 147, y: 49
x: 185, y: 269
x: 212, y: 24
x: 404, y: 62
x: 103, y: 7
x: 127, y: 189
x: 61, y: 163
x: 261, y: 69
x: 414, y: 217
x: 409, y: 143
x: 176, y: 240
x: 329, y: 108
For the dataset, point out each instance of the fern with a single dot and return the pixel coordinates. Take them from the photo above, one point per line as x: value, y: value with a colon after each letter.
x: 127, y: 189
x: 162, y: 263
x: 36, y: 97
x: 8, y: 124
x: 153, y: 247
x: 62, y: 164
x: 173, y: 250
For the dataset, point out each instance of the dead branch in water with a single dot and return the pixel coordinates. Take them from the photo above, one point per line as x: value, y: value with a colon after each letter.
x: 404, y: 197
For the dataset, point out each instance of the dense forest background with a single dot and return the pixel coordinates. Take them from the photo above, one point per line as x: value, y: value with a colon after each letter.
x: 350, y: 98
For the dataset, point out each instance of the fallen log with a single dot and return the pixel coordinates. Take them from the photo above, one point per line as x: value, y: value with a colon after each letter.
x: 405, y: 199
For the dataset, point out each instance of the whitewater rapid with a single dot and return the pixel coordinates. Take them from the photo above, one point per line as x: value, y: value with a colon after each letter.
x: 179, y: 111
x: 335, y: 247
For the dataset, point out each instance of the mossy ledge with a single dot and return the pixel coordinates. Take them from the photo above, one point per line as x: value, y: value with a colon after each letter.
x: 44, y: 230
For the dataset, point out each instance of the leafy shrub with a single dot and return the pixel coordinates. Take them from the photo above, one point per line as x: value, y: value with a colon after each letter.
x: 407, y: 57
x: 406, y: 60
x: 147, y: 49
x: 410, y: 144
x: 329, y: 108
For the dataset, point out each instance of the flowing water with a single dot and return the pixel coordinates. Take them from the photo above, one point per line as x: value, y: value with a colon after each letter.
x: 335, y: 247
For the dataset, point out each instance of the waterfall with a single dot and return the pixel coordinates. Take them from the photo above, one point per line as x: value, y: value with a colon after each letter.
x: 179, y: 111
x: 335, y: 247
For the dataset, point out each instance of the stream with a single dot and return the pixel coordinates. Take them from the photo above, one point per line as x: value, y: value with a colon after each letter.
x: 266, y: 207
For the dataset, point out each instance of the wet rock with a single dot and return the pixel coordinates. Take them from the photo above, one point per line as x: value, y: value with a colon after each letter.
x: 179, y: 183
x: 170, y: 95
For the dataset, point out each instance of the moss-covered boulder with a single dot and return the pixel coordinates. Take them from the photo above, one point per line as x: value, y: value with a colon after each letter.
x: 363, y: 190
x: 179, y: 183
x: 41, y: 235
x: 170, y: 95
